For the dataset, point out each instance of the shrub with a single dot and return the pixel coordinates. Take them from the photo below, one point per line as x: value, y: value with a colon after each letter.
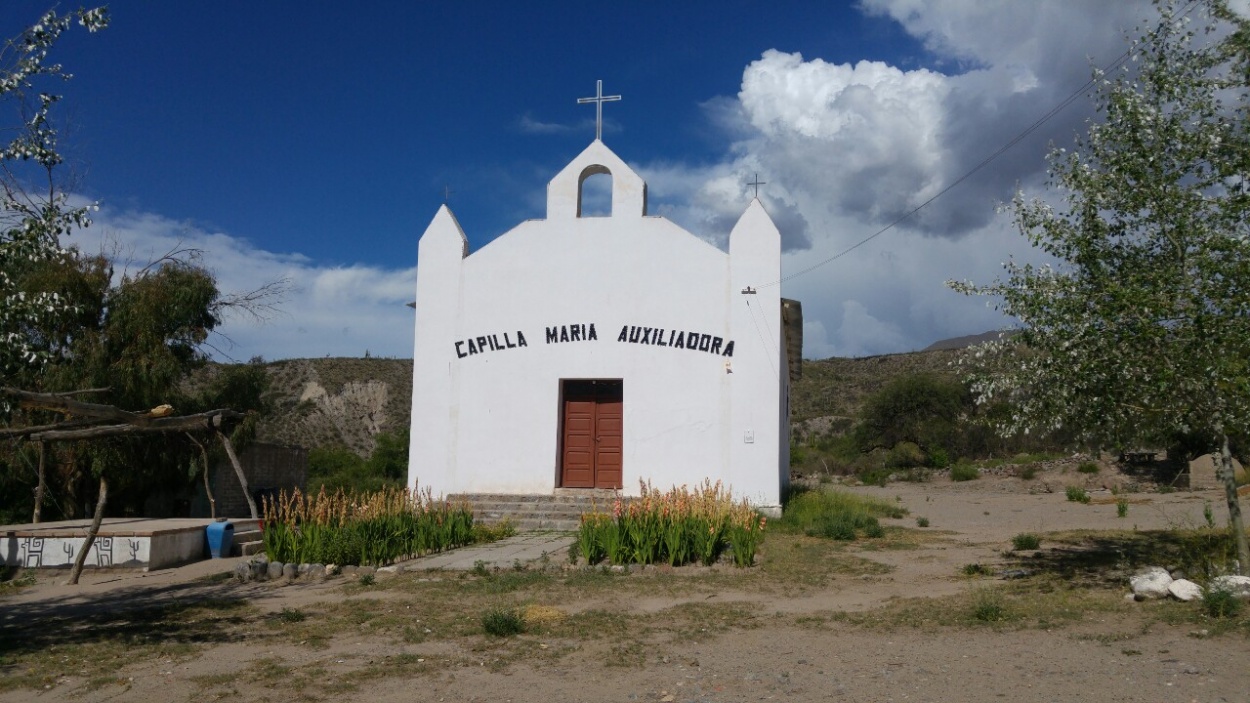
x: 834, y: 514
x: 1028, y: 473
x: 904, y: 455
x: 1025, y: 541
x: 1076, y: 494
x: 1121, y: 508
x: 988, y: 607
x: 1221, y: 603
x: 939, y: 459
x: 964, y: 472
x: 503, y: 622
x: 1087, y: 467
x: 975, y: 570
x: 291, y: 615
x: 922, y: 522
x: 923, y: 409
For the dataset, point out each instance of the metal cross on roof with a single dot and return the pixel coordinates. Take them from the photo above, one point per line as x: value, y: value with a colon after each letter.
x: 599, y: 99
x: 756, y: 184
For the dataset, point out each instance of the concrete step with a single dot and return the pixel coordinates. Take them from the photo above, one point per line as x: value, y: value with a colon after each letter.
x: 247, y: 549
x: 559, y: 511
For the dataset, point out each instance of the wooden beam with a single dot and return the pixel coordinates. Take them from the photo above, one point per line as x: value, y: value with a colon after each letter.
x: 61, y: 404
x: 187, y: 423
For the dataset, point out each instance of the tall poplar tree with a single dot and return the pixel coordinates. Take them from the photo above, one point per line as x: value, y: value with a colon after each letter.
x: 1141, y: 329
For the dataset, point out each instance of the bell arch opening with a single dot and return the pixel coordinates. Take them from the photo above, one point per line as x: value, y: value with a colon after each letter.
x: 594, y: 192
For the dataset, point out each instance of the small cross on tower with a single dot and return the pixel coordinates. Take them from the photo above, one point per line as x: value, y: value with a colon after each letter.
x: 756, y: 184
x: 599, y: 99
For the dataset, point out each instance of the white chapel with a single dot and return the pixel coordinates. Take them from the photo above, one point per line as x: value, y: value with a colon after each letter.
x: 578, y: 353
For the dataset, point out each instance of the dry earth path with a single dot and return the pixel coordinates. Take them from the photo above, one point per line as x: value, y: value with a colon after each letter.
x: 719, y: 636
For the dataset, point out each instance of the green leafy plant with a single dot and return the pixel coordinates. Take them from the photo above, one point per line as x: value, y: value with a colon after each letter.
x: 291, y: 615
x: 367, y: 579
x: 1076, y: 494
x: 922, y: 522
x: 1025, y: 541
x: 1221, y: 603
x: 369, y: 529
x: 1121, y: 508
x: 503, y: 622
x: 988, y: 607
x: 975, y: 569
x: 964, y: 472
x: 1087, y: 467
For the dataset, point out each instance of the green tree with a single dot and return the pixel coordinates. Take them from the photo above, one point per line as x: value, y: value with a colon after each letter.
x: 34, y: 212
x: 1142, y: 327
x: 924, y: 409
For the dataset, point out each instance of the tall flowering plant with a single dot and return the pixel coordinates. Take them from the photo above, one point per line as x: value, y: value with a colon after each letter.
x: 676, y: 527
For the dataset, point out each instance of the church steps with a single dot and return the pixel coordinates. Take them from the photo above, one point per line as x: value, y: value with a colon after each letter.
x: 561, y: 511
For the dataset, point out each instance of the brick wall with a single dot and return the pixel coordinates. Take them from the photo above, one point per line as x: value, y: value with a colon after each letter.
x: 268, y: 467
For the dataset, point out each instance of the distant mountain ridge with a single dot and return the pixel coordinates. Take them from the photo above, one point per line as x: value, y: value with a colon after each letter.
x: 969, y: 340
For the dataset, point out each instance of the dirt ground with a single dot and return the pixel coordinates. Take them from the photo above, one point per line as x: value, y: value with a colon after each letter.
x: 857, y: 631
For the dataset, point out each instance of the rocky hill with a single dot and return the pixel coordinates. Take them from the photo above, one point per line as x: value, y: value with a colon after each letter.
x: 337, y: 402
x: 346, y: 402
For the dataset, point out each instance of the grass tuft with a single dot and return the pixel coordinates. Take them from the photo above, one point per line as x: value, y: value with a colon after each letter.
x: 1076, y: 494
x: 965, y: 472
x: 503, y: 622
x: 1025, y: 541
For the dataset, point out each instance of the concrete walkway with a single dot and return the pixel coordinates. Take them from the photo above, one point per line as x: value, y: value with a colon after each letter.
x: 526, y: 549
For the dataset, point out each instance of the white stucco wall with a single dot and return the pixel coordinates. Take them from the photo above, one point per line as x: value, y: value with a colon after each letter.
x: 488, y: 421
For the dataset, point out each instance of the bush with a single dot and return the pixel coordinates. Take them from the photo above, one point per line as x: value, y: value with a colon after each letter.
x: 1025, y: 541
x: 923, y: 409
x: 1221, y: 603
x: 1087, y: 467
x: 503, y: 622
x: 964, y: 472
x: 1076, y: 494
x: 922, y: 522
x: 939, y: 459
x: 904, y: 455
x: 834, y: 514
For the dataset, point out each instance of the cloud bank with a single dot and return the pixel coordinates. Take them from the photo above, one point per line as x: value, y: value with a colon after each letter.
x: 328, y: 310
x: 849, y: 149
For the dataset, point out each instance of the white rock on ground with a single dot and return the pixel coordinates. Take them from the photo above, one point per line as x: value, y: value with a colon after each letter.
x: 1151, y: 582
x: 1185, y: 590
x: 1237, y: 585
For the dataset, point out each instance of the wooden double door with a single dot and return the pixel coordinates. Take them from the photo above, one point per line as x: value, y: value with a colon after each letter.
x: 591, y: 434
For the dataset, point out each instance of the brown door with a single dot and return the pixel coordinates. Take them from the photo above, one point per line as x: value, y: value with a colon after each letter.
x: 591, y: 435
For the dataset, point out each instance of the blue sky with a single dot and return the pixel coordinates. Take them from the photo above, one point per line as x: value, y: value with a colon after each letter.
x: 313, y: 141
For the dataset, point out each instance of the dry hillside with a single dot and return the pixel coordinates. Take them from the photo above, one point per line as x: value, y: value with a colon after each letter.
x: 337, y: 402
x: 345, y: 402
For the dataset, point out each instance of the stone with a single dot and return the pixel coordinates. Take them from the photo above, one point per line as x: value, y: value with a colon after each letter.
x: 302, y: 569
x: 242, y: 572
x: 1237, y: 585
x: 348, y: 569
x: 1151, y: 582
x: 1184, y: 590
x: 262, y: 558
x: 331, y: 570
x: 619, y: 569
x: 317, y: 571
x: 260, y: 570
x: 290, y: 571
x: 365, y: 570
x: 393, y: 569
x: 275, y: 570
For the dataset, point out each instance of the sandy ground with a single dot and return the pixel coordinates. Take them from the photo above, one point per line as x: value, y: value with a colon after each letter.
x: 776, y: 659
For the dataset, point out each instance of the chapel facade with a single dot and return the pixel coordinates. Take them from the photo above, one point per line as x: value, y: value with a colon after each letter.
x: 576, y: 353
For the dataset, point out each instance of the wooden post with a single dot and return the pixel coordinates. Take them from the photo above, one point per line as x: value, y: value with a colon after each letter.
x: 238, y: 469
x: 43, y: 482
x: 91, y: 533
